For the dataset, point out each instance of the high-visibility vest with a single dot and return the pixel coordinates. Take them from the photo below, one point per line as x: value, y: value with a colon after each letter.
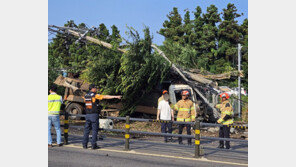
x: 186, y: 110
x: 225, y: 111
x: 92, y: 103
x: 54, y: 104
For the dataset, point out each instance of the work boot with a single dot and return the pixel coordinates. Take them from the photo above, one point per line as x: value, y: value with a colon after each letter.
x: 221, y: 146
x: 95, y: 147
x: 60, y: 145
x: 50, y: 145
x: 84, y: 146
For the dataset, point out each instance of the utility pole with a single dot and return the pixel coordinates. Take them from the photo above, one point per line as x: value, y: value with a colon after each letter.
x: 239, y: 47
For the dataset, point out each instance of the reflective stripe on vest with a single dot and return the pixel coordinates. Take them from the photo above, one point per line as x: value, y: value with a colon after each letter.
x: 228, y: 122
x: 176, y: 107
x: 54, y: 104
x: 184, y: 119
x: 184, y: 109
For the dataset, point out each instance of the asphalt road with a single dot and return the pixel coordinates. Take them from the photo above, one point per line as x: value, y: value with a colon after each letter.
x: 143, y: 153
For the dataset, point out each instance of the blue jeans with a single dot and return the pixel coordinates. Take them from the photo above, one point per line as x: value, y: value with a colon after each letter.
x: 91, y: 123
x: 55, y: 120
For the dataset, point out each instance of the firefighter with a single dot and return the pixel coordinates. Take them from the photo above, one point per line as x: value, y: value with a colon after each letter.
x: 186, y: 113
x: 93, y: 109
x: 225, y: 119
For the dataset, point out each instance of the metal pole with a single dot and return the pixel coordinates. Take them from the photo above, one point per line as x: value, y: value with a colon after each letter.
x: 197, y: 138
x: 127, y: 135
x: 66, y: 127
x: 239, y: 80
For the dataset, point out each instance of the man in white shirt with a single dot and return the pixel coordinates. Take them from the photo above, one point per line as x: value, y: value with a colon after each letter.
x: 165, y: 113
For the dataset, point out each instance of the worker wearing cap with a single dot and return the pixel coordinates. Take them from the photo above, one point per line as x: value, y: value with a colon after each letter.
x: 93, y: 109
x: 161, y: 97
x: 225, y: 119
x: 186, y: 113
x: 166, y: 115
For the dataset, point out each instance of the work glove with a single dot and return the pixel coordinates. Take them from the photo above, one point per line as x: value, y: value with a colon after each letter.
x: 227, y: 117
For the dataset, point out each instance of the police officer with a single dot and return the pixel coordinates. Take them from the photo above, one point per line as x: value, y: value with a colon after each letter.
x: 186, y: 113
x: 92, y: 100
x: 225, y: 119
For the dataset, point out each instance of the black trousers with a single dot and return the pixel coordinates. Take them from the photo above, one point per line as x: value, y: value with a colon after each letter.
x: 91, y: 123
x: 188, y: 128
x: 224, y: 132
x: 166, y: 128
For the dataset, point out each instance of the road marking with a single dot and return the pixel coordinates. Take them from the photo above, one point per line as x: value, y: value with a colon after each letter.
x: 165, y: 156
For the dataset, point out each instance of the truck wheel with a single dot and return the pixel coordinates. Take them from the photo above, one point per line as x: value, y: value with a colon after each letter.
x: 74, y: 108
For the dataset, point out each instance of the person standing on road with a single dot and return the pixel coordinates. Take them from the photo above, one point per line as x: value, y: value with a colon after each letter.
x: 54, y: 106
x: 93, y: 110
x: 186, y: 113
x: 225, y: 119
x: 165, y: 113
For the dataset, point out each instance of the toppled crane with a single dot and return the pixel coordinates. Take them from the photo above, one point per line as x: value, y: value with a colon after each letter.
x: 193, y: 78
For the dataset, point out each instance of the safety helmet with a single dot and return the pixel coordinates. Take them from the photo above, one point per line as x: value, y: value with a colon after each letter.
x: 226, y: 95
x: 184, y: 92
x: 164, y: 92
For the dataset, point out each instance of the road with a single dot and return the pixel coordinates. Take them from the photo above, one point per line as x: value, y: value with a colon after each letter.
x: 143, y: 153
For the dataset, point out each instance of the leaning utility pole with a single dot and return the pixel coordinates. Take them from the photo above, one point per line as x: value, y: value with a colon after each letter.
x: 239, y: 80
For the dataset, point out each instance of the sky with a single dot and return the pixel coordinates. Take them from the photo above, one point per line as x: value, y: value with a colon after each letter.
x: 132, y: 13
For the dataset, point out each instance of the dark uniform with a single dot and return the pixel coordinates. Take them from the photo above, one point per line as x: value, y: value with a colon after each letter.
x: 93, y: 109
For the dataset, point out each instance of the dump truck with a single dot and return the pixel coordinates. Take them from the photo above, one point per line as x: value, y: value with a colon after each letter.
x: 75, y: 89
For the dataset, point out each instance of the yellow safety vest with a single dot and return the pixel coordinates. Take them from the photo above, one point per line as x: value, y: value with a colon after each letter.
x: 54, y: 104
x: 225, y: 111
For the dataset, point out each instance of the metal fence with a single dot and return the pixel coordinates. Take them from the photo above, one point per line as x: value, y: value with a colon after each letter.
x: 127, y: 131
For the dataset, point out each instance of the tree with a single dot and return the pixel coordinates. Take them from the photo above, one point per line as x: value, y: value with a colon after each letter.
x: 244, y: 52
x: 172, y: 28
x: 187, y: 27
x: 209, y: 39
x: 140, y: 70
x: 132, y: 74
x: 229, y: 35
x: 115, y: 36
x: 197, y: 28
x: 103, y: 33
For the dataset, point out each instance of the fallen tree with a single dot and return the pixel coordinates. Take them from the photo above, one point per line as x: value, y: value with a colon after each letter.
x: 191, y: 77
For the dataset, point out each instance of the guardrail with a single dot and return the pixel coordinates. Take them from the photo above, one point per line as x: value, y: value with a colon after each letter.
x: 197, y: 125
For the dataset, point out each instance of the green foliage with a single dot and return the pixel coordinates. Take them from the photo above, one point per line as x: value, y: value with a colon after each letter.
x: 207, y: 42
x: 183, y: 56
x: 132, y: 74
x: 173, y: 28
x: 53, y: 72
x: 140, y: 70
